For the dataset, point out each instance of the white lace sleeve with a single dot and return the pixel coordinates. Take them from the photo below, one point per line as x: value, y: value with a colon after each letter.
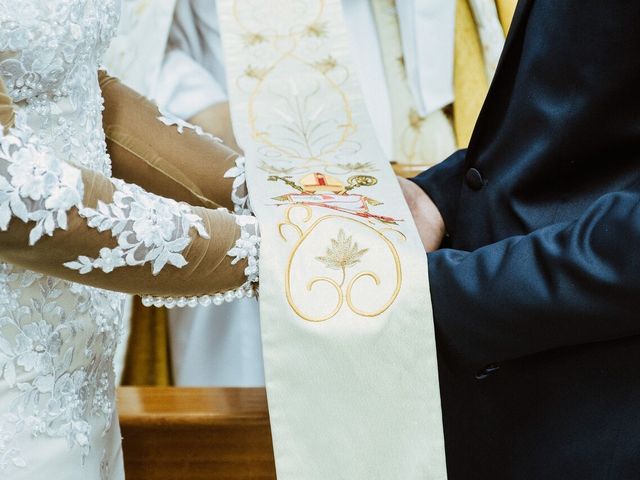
x: 149, y: 229
x: 37, y: 186
x: 34, y: 184
x: 246, y: 247
x: 239, y: 191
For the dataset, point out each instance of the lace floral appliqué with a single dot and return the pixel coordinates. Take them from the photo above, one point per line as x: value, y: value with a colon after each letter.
x: 57, y: 338
x: 170, y: 120
x: 246, y: 247
x: 149, y: 229
x: 239, y: 190
x: 59, y: 366
x: 37, y: 186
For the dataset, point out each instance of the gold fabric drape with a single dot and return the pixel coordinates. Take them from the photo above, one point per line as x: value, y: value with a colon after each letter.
x: 470, y: 81
x: 505, y: 11
x: 148, y: 359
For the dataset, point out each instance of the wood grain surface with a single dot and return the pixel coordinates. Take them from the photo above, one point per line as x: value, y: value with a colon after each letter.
x: 407, y: 170
x: 195, y: 433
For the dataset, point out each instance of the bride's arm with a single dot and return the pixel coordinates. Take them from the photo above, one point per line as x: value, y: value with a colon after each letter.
x: 79, y: 225
x: 167, y: 156
x: 7, y: 116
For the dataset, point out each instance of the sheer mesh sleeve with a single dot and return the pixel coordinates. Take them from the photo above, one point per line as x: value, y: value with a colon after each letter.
x: 166, y: 155
x: 7, y: 116
x: 77, y: 224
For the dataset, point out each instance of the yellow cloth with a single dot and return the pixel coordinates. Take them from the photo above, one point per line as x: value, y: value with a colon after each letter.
x: 412, y: 132
x: 505, y: 11
x: 470, y: 81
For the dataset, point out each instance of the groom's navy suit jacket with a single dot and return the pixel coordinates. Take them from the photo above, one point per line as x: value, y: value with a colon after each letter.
x: 537, y: 297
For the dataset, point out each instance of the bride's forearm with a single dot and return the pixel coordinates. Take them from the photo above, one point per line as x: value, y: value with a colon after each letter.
x: 121, y: 238
x: 80, y: 225
x: 162, y: 154
x: 216, y: 119
x: 7, y: 115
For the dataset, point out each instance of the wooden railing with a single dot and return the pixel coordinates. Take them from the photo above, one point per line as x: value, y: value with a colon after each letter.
x: 195, y: 434
x: 407, y: 170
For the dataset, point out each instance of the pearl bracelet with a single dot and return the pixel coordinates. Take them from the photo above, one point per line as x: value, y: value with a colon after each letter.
x: 246, y: 291
x: 246, y: 247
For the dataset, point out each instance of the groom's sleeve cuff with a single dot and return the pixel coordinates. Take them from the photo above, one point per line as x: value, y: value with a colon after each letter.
x: 443, y: 183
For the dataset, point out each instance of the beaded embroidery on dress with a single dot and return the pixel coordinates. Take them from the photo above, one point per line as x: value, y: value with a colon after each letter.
x: 58, y: 338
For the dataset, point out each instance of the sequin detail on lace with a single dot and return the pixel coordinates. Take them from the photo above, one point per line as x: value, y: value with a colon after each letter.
x: 37, y: 186
x: 149, y: 229
x: 50, y: 53
x: 57, y: 338
x: 60, y: 367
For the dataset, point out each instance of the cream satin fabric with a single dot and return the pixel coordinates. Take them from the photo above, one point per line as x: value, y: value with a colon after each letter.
x: 491, y: 33
x: 427, y: 29
x: 417, y: 138
x: 347, y: 329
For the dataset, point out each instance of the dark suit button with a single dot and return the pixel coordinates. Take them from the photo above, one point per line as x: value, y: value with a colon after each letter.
x: 488, y: 370
x: 474, y: 179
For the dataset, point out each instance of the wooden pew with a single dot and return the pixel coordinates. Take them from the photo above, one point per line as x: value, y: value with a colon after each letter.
x: 195, y: 433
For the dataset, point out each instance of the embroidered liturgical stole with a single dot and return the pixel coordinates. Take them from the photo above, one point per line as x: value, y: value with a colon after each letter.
x: 347, y: 327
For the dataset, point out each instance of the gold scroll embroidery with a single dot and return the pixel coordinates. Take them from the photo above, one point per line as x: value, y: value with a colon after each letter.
x: 342, y: 254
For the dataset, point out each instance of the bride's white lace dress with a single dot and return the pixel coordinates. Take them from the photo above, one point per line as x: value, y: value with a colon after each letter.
x: 57, y: 338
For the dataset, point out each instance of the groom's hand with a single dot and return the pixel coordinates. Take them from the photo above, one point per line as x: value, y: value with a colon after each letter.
x: 425, y: 214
